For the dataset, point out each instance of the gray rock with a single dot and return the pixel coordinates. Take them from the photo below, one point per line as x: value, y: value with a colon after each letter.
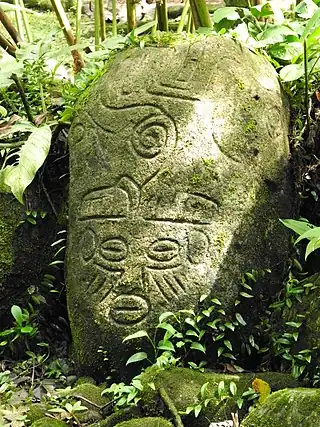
x: 179, y: 173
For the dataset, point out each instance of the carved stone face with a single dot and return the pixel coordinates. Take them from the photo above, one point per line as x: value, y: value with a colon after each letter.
x: 175, y: 189
x: 128, y: 274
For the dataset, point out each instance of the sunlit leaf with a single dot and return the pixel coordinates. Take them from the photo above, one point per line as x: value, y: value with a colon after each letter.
x: 261, y: 387
x: 137, y: 357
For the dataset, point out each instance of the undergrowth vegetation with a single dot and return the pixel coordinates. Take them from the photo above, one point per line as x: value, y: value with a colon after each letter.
x: 41, y: 87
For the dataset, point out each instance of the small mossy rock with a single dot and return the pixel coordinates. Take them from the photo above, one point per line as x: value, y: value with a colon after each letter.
x: 177, y: 184
x: 90, y: 393
x: 36, y: 411
x: 183, y: 387
x: 287, y: 408
x: 146, y: 422
x: 125, y: 414
x: 48, y: 422
x: 85, y: 380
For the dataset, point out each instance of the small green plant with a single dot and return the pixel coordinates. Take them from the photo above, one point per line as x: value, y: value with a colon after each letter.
x: 22, y: 331
x: 69, y: 411
x: 305, y: 230
x: 125, y: 395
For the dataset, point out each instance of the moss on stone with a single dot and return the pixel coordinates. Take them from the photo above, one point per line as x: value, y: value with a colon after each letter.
x: 48, y: 422
x: 91, y: 393
x: 36, y: 412
x: 85, y: 380
x: 146, y: 422
x: 183, y: 387
x: 287, y: 408
x: 117, y: 417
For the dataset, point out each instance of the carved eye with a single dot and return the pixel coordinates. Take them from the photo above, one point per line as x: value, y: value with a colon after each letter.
x: 163, y: 250
x: 114, y: 250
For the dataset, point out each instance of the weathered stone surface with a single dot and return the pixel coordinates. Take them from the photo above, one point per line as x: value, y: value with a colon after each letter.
x: 287, y: 408
x: 179, y: 173
x: 146, y: 422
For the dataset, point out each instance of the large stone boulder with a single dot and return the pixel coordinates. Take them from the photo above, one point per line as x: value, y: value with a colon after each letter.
x: 179, y: 173
x: 287, y: 408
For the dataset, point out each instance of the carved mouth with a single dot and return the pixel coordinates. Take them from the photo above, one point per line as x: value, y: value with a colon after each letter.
x: 129, y: 309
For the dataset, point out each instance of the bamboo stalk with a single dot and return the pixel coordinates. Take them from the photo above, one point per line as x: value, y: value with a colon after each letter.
x: 9, y: 27
x: 102, y: 20
x: 66, y: 28
x: 114, y: 17
x: 7, y: 46
x: 200, y: 13
x: 183, y: 17
x: 162, y: 13
x: 18, y: 16
x: 131, y: 15
x: 78, y: 21
x: 97, y: 24
x: 25, y: 21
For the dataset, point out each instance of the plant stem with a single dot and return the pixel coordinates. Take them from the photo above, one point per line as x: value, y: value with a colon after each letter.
x: 306, y: 83
x: 7, y: 46
x: 131, y: 15
x: 102, y: 20
x: 17, y: 13
x: 9, y: 27
x: 171, y: 406
x: 114, y: 17
x: 23, y: 97
x: 189, y: 23
x: 25, y: 21
x: 66, y: 28
x: 97, y: 24
x: 78, y: 20
x: 162, y: 13
x: 184, y: 14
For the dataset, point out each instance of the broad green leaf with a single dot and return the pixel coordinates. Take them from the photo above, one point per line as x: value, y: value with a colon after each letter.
x: 138, y: 334
x: 261, y: 11
x: 229, y: 13
x: 143, y: 28
x: 299, y: 227
x: 137, y: 357
x: 221, y: 388
x: 306, y: 9
x: 21, y: 126
x: 228, y: 344
x: 165, y: 315
x: 9, y: 66
x: 204, y: 389
x: 314, y: 233
x: 311, y: 23
x: 169, y: 328
x: 286, y: 51
x: 31, y: 157
x: 27, y: 329
x: 17, y: 314
x: 166, y: 345
x: 274, y: 34
x: 240, y: 319
x: 198, y: 346
x: 233, y: 388
x: 197, y: 410
x: 313, y: 245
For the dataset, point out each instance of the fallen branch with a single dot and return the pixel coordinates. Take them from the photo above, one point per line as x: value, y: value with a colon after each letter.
x: 171, y: 406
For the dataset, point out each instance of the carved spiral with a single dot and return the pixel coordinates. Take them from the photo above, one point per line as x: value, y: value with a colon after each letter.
x: 150, y: 136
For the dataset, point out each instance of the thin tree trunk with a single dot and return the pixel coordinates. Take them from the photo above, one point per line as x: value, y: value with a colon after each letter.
x: 162, y: 13
x: 9, y: 27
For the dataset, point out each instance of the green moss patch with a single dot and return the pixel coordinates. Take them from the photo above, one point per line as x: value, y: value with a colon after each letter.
x: 49, y: 422
x: 287, y: 408
x: 146, y: 422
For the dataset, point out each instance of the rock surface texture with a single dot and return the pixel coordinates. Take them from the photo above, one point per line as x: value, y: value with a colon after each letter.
x: 179, y: 173
x: 287, y: 408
